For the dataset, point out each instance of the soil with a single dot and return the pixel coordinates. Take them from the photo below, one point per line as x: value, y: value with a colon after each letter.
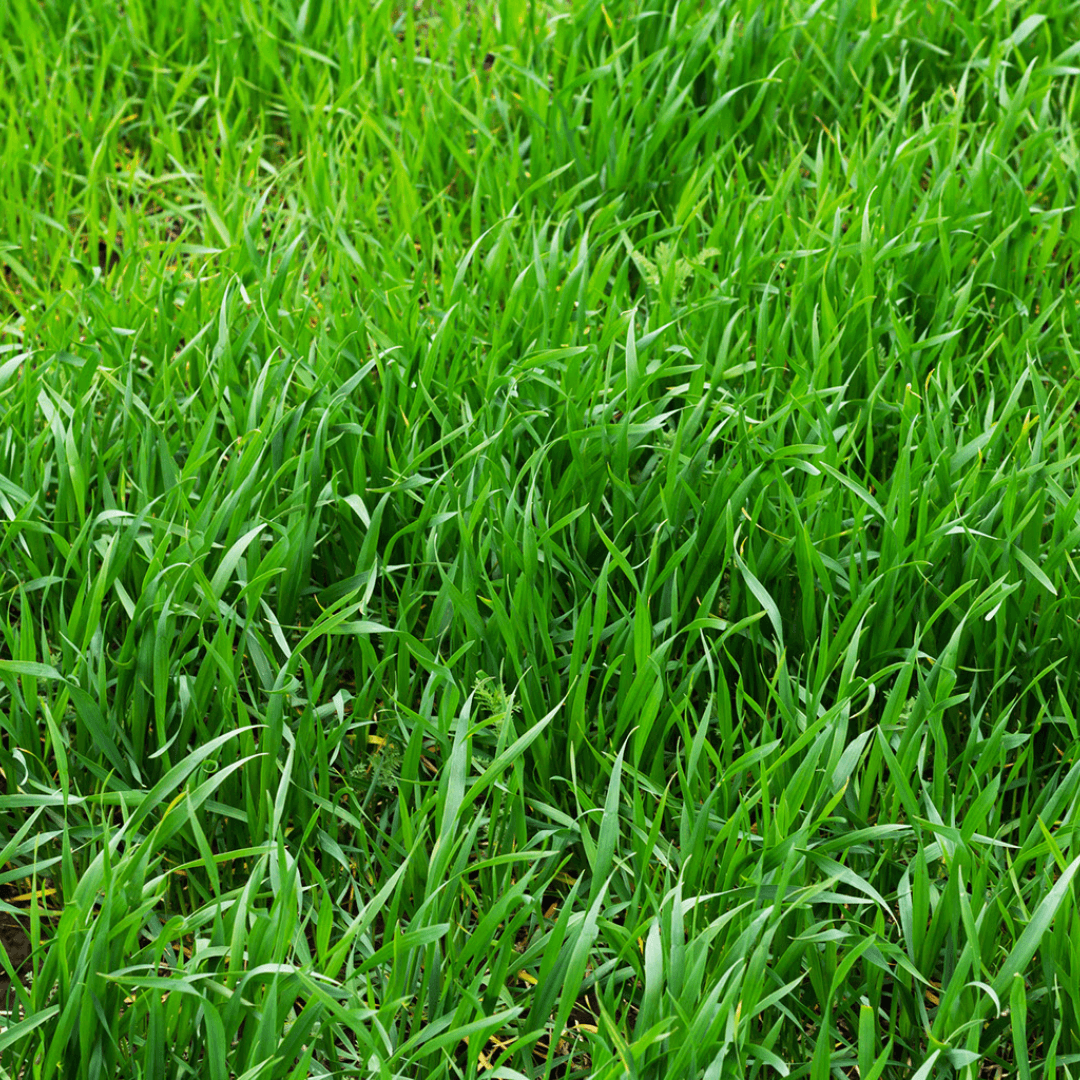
x: 17, y: 946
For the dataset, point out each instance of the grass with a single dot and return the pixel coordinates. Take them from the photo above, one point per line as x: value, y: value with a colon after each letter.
x: 540, y: 538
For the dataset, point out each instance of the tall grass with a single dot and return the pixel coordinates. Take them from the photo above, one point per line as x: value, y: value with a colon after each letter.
x: 540, y: 538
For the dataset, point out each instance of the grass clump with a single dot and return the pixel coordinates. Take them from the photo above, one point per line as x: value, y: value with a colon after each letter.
x: 708, y: 371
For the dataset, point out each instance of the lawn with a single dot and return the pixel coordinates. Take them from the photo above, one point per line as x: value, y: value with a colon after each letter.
x: 540, y: 539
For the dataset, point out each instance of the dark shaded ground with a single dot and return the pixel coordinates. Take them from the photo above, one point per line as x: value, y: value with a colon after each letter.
x: 17, y: 946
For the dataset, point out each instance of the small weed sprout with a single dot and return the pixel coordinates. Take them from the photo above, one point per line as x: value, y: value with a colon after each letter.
x: 379, y: 772
x: 492, y: 696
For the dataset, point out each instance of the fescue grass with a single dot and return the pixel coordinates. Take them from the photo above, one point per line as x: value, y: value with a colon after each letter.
x: 540, y: 538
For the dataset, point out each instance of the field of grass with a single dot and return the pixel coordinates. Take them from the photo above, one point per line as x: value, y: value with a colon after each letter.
x: 540, y: 539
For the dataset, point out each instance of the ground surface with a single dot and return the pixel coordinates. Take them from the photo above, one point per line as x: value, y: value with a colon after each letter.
x: 539, y: 539
x: 16, y: 944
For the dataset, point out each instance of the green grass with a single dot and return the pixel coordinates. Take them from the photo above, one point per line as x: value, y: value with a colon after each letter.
x: 540, y: 538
